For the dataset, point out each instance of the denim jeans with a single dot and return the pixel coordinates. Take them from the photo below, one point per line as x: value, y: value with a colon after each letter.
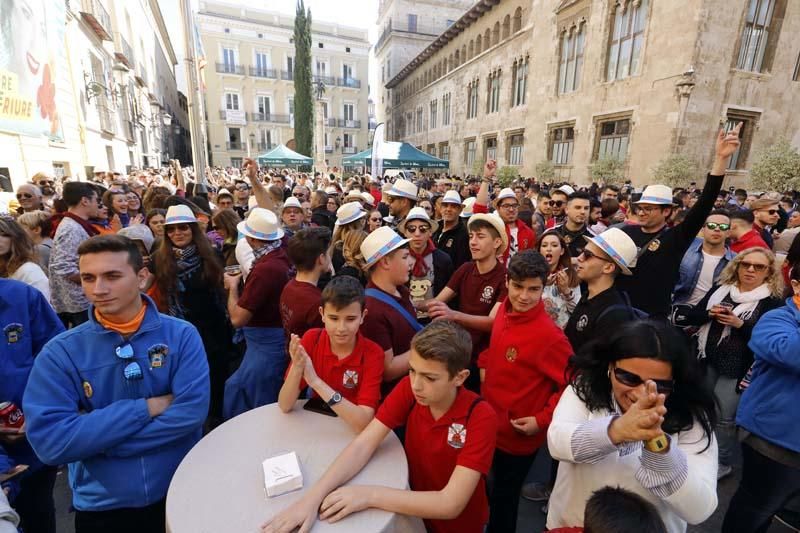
x: 724, y: 389
x: 765, y: 488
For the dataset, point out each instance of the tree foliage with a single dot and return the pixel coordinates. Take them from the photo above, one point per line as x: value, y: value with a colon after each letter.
x: 675, y: 170
x: 609, y: 170
x: 545, y: 170
x: 303, y: 97
x: 507, y: 175
x: 776, y: 167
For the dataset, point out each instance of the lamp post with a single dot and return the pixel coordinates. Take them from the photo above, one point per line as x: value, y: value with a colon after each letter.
x: 251, y: 142
x: 319, y: 151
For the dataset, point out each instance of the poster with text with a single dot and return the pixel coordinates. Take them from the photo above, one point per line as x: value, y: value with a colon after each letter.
x: 31, y: 55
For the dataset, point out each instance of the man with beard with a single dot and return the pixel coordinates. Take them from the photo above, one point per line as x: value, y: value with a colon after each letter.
x: 29, y: 197
x: 559, y: 205
x: 47, y: 186
x: 241, y: 198
x: 401, y: 198
x: 574, y: 227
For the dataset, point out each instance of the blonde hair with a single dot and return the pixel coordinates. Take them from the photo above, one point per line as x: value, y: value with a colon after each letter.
x: 33, y: 219
x: 730, y: 274
x: 349, y: 237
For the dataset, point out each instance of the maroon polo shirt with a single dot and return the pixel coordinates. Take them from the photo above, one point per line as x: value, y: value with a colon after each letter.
x: 385, y: 326
x: 300, y: 303
x: 262, y: 290
x: 477, y: 294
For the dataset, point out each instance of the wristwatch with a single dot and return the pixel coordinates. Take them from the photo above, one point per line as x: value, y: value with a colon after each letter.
x: 336, y: 398
x: 659, y: 444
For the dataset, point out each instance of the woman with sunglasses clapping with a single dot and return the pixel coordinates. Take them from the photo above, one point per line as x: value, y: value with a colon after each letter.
x: 636, y: 416
x: 749, y: 286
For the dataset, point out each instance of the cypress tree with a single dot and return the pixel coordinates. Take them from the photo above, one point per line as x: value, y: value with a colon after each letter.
x: 303, y: 98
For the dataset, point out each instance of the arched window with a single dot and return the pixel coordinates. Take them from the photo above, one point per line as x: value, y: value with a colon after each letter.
x: 471, y: 50
x: 451, y: 65
x: 496, y: 33
x: 517, y: 20
x: 458, y: 57
x: 571, y: 63
x: 478, y: 45
x: 506, y: 27
x: 487, y: 39
x: 463, y: 53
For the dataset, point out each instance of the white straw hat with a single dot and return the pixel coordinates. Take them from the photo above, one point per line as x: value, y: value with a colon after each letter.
x: 404, y: 189
x: 349, y: 212
x: 566, y: 189
x: 656, y: 195
x: 292, y: 202
x: 179, y: 214
x: 380, y: 243
x: 468, y: 205
x: 368, y: 198
x: 261, y: 224
x: 619, y: 247
x: 506, y: 193
x: 497, y: 223
x: 418, y: 213
x: 451, y: 197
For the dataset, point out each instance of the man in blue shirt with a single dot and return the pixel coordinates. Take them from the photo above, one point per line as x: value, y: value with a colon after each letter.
x: 27, y: 322
x: 121, y: 398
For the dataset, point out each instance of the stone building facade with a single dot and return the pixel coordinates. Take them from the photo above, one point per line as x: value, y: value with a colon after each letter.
x: 249, y: 97
x: 113, y: 89
x: 406, y: 28
x: 571, y: 81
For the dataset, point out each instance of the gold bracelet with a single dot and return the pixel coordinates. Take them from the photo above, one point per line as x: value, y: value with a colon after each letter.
x: 659, y: 444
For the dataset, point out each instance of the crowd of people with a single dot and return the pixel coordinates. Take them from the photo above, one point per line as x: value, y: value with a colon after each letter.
x: 647, y: 340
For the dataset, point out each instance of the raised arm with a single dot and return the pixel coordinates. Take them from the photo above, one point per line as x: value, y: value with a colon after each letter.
x: 259, y: 191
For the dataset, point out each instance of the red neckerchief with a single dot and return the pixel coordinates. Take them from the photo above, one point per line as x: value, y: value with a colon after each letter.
x: 420, y: 268
x: 88, y: 228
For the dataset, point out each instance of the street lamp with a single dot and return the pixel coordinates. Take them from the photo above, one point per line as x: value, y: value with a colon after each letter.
x: 252, y: 142
x: 338, y: 142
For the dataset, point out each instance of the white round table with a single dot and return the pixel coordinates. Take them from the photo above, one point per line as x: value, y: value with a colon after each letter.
x: 219, y: 485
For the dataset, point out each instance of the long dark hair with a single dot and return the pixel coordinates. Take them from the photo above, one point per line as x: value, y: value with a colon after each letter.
x: 690, y: 401
x: 166, y: 266
x: 565, y: 261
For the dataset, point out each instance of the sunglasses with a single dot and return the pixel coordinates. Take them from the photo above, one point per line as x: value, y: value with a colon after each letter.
x: 421, y: 229
x: 629, y: 379
x: 45, y: 182
x: 588, y: 254
x: 375, y: 219
x: 24, y: 195
x: 177, y: 227
x: 757, y: 267
x: 132, y: 370
x: 556, y: 203
x: 242, y: 187
x: 647, y: 208
x: 771, y: 211
x: 720, y: 226
x: 299, y: 195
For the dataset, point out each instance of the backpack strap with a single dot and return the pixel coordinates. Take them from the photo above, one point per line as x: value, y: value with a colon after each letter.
x: 646, y: 245
x: 391, y: 302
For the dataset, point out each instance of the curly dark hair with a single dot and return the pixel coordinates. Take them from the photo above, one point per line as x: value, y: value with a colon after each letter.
x: 690, y: 400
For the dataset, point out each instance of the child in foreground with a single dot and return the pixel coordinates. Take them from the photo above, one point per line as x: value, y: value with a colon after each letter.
x: 341, y: 366
x: 449, y: 442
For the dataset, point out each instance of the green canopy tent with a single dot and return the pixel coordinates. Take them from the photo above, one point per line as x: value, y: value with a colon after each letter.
x: 283, y: 156
x: 397, y: 155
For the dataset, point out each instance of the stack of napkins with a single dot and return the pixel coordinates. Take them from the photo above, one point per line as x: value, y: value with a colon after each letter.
x: 282, y: 474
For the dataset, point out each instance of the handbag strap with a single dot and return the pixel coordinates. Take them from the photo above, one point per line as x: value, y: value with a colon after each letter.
x: 391, y: 302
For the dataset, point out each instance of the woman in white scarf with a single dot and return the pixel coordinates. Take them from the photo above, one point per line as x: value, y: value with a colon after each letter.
x: 749, y: 286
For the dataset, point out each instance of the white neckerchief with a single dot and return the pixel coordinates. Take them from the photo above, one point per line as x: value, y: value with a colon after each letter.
x: 746, y: 304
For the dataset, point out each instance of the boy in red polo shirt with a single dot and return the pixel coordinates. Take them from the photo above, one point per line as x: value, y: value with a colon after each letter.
x: 522, y: 375
x: 300, y: 298
x: 341, y: 366
x: 479, y: 285
x: 450, y: 437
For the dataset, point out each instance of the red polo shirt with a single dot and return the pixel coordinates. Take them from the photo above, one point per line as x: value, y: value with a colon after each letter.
x: 477, y: 294
x: 524, y: 373
x: 526, y: 237
x: 385, y: 326
x: 435, y: 447
x: 300, y: 303
x: 357, y: 377
x: 262, y: 290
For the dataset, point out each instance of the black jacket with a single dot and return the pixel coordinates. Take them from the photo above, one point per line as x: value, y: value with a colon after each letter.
x: 455, y: 243
x: 656, y: 273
